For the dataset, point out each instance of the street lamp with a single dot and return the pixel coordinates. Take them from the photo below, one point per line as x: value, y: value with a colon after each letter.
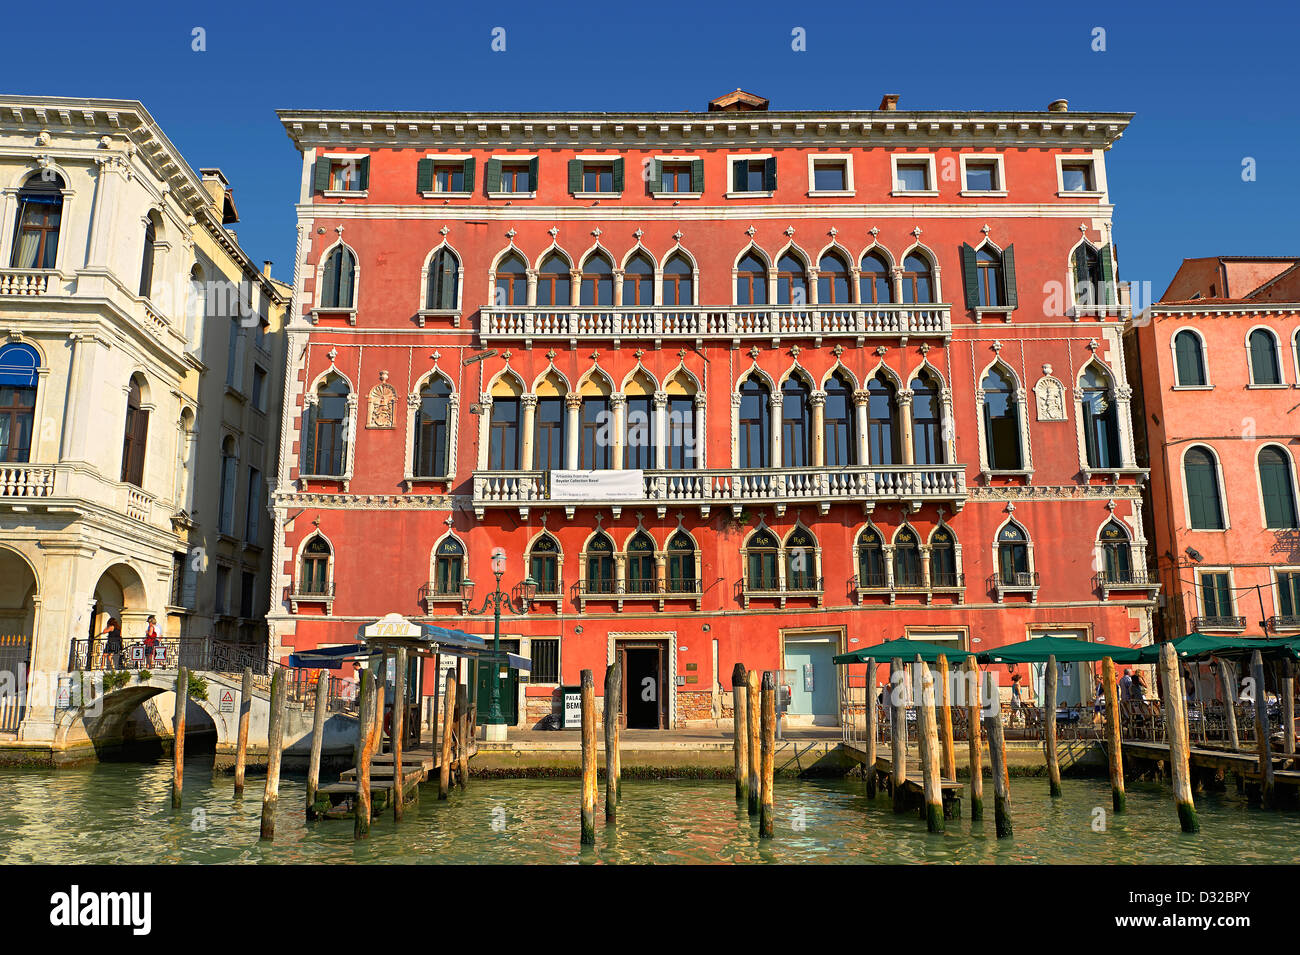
x: 495, y: 723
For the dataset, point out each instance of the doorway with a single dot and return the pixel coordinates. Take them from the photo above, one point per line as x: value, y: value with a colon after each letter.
x: 1072, y: 679
x: 814, y: 696
x: 645, y: 690
x: 509, y: 686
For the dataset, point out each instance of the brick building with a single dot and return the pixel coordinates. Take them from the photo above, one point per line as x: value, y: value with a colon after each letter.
x: 733, y: 385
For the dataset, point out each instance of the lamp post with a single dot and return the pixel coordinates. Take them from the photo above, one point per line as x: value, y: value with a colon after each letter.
x: 494, y: 723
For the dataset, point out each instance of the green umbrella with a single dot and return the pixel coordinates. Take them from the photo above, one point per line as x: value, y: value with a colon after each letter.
x: 1199, y: 645
x: 1065, y: 649
x: 906, y: 650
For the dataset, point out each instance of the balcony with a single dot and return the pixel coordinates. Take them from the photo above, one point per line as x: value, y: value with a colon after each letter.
x: 1208, y: 624
x: 657, y: 590
x: 28, y: 282
x: 36, y: 487
x: 749, y: 589
x: 728, y: 323
x: 1014, y: 583
x: 302, y: 592
x: 1283, y: 622
x: 736, y: 488
x: 434, y: 592
x: 879, y: 584
x: 1106, y: 582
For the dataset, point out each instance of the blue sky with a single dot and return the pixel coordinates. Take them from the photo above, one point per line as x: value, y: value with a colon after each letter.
x: 1212, y: 85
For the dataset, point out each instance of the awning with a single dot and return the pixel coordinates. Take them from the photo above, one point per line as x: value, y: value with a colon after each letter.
x: 1195, y: 646
x: 513, y: 660
x: 907, y: 650
x: 397, y: 629
x: 1065, y: 649
x: 328, y: 657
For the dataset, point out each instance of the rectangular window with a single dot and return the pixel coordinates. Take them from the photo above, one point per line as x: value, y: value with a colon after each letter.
x: 347, y: 175
x: 1288, y: 593
x: 982, y: 176
x: 546, y: 660
x: 675, y: 177
x: 178, y: 580
x: 253, y: 520
x: 597, y: 177
x: 515, y: 177
x: 749, y: 175
x: 1077, y: 177
x: 247, y: 586
x: 1216, y: 594
x: 449, y: 177
x: 259, y: 388
x: 912, y: 177
x: 221, y: 602
x: 829, y: 175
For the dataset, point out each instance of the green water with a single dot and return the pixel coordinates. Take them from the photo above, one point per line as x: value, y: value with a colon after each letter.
x: 121, y: 813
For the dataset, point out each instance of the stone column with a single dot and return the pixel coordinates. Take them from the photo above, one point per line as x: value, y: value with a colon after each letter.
x: 777, y: 460
x: 860, y: 399
x: 905, y: 425
x: 103, y: 226
x: 700, y: 436
x: 661, y: 430
x: 484, y: 430
x: 925, y: 565
x: 898, y: 283
x: 78, y: 346
x: 618, y: 406
x: 814, y: 295
x: 572, y: 429
x: 532, y: 286
x: 887, y: 558
x: 529, y: 426
x: 818, y: 401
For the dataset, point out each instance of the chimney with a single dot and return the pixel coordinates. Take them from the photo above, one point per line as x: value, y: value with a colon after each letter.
x: 266, y: 268
x: 889, y: 102
x: 216, y: 185
x: 1058, y: 106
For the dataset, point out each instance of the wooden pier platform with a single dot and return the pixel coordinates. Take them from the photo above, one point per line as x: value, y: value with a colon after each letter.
x: 419, y: 764
x: 1243, y: 763
x: 913, y: 786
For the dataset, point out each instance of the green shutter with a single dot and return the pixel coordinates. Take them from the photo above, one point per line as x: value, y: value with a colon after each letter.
x: 424, y: 175
x: 1080, y: 264
x: 347, y: 265
x: 738, y: 176
x: 469, y: 175
x: 575, y: 176
x: 493, y: 183
x: 307, y: 446
x: 1107, y: 276
x: 450, y: 280
x: 364, y: 172
x: 322, y: 175
x: 970, y: 275
x: 769, y: 174
x: 618, y: 175
x: 1275, y: 482
x: 697, y: 175
x: 1009, y: 276
x: 656, y: 182
x: 532, y: 174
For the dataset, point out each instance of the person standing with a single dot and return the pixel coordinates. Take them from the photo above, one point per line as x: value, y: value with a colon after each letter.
x: 1126, y: 687
x: 111, y: 657
x: 150, y: 640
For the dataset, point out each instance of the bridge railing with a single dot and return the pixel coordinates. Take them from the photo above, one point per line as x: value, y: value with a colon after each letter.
x: 168, y: 653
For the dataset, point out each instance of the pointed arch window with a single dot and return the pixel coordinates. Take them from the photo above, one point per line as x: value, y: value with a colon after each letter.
x: 832, y: 281
x: 751, y: 281
x: 135, y: 437
x: 1265, y: 369
x: 18, y: 380
x: 597, y: 432
x: 1201, y: 478
x: 918, y: 280
x: 549, y: 428
x: 639, y: 427
x: 1189, y: 358
x: 755, y: 424
x: 597, y: 289
x: 503, y: 446
x: 678, y: 281
x: 927, y: 420
x: 338, y: 279
x: 40, y: 214
x: 444, y: 281
x: 1013, y: 557
x: 871, y: 560
x: 641, y: 564
x: 760, y: 562
x: 448, y: 567
x: 433, y: 430
x: 600, y: 565
x: 1277, y: 488
x: 907, y: 560
x: 791, y: 281
x: 943, y: 559
x: 796, y: 423
x: 554, y: 282
x: 325, y: 429
x: 1116, y: 556
x: 875, y: 287
x: 882, y: 421
x: 1089, y: 283
x: 314, y: 576
x: 681, y: 437
x: 1100, y: 422
x: 841, y: 437
x: 639, y: 282
x: 801, y: 560
x: 1001, y: 421
x: 682, y: 577
x: 512, y: 283
x: 544, y: 564
x: 988, y: 278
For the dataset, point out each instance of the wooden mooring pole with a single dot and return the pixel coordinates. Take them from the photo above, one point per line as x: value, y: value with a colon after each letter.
x: 998, y: 765
x: 365, y: 750
x: 399, y: 732
x: 448, y: 723
x: 946, y: 746
x: 766, y: 823
x: 1053, y: 758
x: 871, y: 731
x: 740, y: 730
x: 1228, y: 680
x: 462, y: 736
x: 1176, y: 729
x: 588, y: 759
x: 178, y: 735
x: 975, y: 751
x: 753, y: 715
x: 241, y: 747
x: 1262, y: 741
x: 613, y: 688
x: 929, y: 740
x: 1288, y: 707
x: 1114, y: 743
x: 274, y: 746
x: 897, y: 736
x: 317, y: 740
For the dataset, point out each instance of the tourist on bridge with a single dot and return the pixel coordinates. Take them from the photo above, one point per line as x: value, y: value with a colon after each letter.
x: 111, y: 657
x: 150, y: 640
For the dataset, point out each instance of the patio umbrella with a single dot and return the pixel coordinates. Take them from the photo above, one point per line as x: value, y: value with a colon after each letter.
x: 906, y: 649
x: 1065, y: 649
x: 1200, y: 645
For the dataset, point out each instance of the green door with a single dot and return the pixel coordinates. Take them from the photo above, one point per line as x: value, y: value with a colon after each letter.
x: 509, y: 687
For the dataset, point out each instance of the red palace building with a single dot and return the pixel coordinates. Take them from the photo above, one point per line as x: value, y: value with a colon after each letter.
x: 735, y: 385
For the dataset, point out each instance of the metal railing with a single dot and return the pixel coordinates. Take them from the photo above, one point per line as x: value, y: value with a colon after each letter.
x: 1218, y: 623
x: 309, y: 591
x: 1284, y: 622
x: 1113, y: 580
x: 168, y: 653
x: 1021, y: 580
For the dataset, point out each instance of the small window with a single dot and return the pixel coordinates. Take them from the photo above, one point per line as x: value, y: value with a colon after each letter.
x: 515, y: 177
x: 40, y: 210
x: 546, y: 659
x: 1265, y: 369
x: 314, y: 577
x: 544, y: 567
x: 347, y: 175
x: 982, y: 176
x: 830, y: 175
x: 1077, y: 177
x: 1189, y: 359
x: 747, y: 175
x: 449, y: 177
x: 1278, y: 491
x: 913, y: 177
x: 221, y: 601
x: 259, y: 388
x: 1216, y: 594
x: 675, y: 177
x: 1201, y: 478
x: 598, y: 177
x: 247, y: 586
x: 1288, y: 593
x: 448, y: 567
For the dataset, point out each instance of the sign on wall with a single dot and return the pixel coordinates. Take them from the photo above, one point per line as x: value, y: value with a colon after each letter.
x: 572, y: 707
x: 602, y: 485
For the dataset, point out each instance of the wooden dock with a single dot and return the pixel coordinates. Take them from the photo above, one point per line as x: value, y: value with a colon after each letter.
x: 336, y: 800
x: 913, y: 789
x: 1208, y: 760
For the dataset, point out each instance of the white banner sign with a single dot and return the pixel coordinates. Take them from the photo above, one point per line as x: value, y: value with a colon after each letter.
x: 602, y: 485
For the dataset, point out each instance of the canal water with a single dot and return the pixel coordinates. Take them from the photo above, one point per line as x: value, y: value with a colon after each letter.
x: 121, y: 813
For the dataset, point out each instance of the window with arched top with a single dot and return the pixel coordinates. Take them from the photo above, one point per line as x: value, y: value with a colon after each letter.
x: 796, y: 423
x: 755, y: 424
x: 1265, y: 369
x: 1001, y: 421
x: 549, y: 427
x: 801, y: 560
x: 1116, y: 555
x: 871, y: 560
x: 1013, y: 556
x: 639, y: 423
x: 554, y: 282
x: 1089, y: 280
x: 927, y: 420
x: 681, y: 438
x: 875, y: 286
x: 597, y: 290
x: 600, y: 565
x: 751, y: 281
x: 18, y: 379
x: 135, y: 437
x: 882, y: 421
x: 760, y: 561
x: 314, y: 574
x: 146, y: 258
x: 325, y: 427
x: 338, y: 279
x: 641, y: 577
x: 833, y: 281
x: 682, y: 578
x: 791, y: 281
x: 1100, y: 421
x: 448, y: 567
x: 639, y: 281
x: 511, y: 289
x: 918, y: 280
x: 544, y: 564
x: 503, y: 434
x: 1277, y: 487
x: 40, y: 215
x: 840, y: 442
x: 433, y: 424
x: 990, y: 290
x: 678, y: 281
x: 907, y: 560
x: 444, y: 281
x: 595, y: 450
x: 1189, y: 359
x: 943, y: 558
x: 1201, y: 479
